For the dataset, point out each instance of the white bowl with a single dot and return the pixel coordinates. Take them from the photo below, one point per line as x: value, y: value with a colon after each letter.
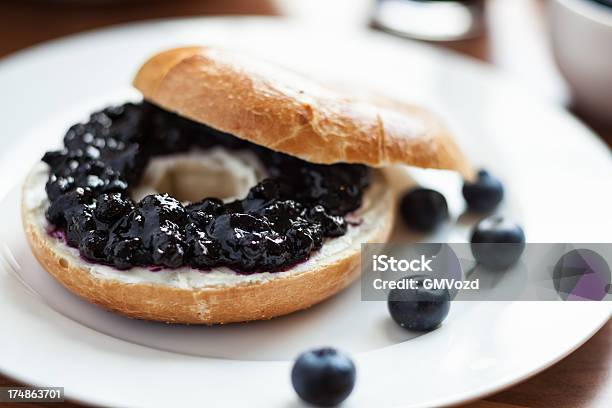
x: 582, y: 42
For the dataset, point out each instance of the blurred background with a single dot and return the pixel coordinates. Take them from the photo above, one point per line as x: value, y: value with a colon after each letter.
x: 560, y: 49
x: 520, y: 37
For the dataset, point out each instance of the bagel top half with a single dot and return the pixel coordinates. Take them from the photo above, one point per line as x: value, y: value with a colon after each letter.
x: 286, y: 112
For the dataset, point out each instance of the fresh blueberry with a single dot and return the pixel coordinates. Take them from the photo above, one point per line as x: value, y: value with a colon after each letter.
x: 497, y: 242
x: 323, y: 377
x: 484, y: 194
x: 423, y: 209
x: 418, y: 309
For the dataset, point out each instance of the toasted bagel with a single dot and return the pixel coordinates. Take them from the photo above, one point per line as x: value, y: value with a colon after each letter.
x: 286, y: 112
x: 221, y: 295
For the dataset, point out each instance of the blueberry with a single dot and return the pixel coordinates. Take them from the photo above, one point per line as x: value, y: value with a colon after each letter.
x: 162, y: 207
x: 497, y: 242
x: 112, y: 206
x: 270, y: 189
x: 333, y: 225
x: 322, y: 185
x: 93, y: 244
x: 323, y: 377
x: 58, y: 211
x: 127, y: 160
x: 96, y: 176
x: 130, y: 225
x: 423, y: 209
x: 204, y: 212
x: 211, y: 206
x: 281, y: 214
x: 58, y: 185
x: 80, y: 220
x: 168, y: 251
x: 301, y: 240
x: 484, y: 194
x: 240, y: 239
x: 55, y: 158
x: 124, y: 253
x: 202, y: 250
x: 276, y: 254
x: 418, y: 309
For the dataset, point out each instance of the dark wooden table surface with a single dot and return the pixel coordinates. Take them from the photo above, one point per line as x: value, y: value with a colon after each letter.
x: 582, y: 379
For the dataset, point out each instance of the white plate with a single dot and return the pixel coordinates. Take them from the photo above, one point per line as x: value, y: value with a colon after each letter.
x: 555, y: 170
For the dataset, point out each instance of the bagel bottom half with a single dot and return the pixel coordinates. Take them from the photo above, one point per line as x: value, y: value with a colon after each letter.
x: 185, y: 295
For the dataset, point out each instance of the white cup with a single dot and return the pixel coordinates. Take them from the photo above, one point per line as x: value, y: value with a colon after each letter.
x: 582, y: 42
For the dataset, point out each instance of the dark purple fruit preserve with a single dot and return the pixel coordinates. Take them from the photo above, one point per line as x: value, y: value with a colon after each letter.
x: 281, y: 221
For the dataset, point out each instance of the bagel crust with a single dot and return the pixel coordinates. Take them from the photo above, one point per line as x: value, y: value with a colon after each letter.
x: 242, y: 300
x: 278, y: 109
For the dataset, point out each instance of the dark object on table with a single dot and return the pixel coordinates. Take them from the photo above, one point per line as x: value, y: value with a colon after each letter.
x: 323, y: 377
x: 418, y: 309
x: 604, y: 2
x: 423, y: 209
x: 497, y: 243
x: 484, y: 194
x: 441, y: 20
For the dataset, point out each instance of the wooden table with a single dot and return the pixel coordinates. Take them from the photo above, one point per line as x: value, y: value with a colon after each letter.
x: 581, y: 380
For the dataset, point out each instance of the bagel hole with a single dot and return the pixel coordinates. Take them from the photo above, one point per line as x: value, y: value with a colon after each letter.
x: 191, y: 177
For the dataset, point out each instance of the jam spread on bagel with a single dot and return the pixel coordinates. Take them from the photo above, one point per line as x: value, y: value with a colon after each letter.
x: 281, y: 221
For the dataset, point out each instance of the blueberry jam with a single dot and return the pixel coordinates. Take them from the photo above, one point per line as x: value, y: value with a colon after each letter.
x: 279, y: 223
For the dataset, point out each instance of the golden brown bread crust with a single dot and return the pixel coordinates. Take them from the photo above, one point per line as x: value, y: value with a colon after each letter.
x: 210, y: 305
x: 283, y: 111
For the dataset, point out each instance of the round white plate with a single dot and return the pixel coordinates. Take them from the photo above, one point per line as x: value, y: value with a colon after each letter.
x: 555, y: 170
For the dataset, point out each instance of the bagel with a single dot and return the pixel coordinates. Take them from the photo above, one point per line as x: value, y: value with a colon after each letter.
x: 220, y: 296
x: 283, y: 112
